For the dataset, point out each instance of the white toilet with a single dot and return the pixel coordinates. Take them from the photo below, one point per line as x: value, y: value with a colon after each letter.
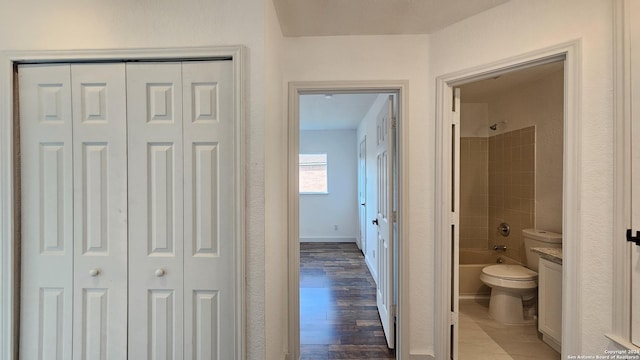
x: 514, y: 286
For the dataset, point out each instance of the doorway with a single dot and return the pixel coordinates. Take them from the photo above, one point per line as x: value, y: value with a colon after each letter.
x: 448, y: 179
x: 394, y: 314
x: 510, y: 148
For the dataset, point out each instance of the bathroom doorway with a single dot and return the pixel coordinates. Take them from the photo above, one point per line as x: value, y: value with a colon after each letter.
x: 510, y: 160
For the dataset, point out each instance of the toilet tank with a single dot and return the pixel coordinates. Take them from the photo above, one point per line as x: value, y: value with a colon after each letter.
x: 539, y: 238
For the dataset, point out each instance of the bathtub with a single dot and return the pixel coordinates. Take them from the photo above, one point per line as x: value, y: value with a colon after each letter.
x: 471, y: 263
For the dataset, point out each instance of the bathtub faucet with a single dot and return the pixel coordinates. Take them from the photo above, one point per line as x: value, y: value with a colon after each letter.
x: 500, y: 247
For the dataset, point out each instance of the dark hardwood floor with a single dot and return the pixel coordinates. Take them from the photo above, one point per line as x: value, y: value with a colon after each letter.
x: 338, y: 314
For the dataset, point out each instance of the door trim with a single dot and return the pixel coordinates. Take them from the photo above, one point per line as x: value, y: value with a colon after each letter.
x: 9, y: 209
x: 293, y: 232
x: 572, y: 175
x: 362, y: 177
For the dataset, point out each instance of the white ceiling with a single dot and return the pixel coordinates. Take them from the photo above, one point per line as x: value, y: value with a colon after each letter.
x: 339, y: 112
x: 485, y: 90
x: 373, y: 17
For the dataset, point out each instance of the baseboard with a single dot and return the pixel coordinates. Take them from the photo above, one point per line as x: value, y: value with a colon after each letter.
x: 421, y: 357
x: 474, y: 297
x: 373, y: 273
x: 335, y: 239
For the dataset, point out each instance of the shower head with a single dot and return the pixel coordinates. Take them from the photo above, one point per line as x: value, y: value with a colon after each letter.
x: 494, y: 127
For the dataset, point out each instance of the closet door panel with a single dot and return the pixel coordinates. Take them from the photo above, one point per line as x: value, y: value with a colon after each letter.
x: 154, y: 116
x: 209, y: 298
x: 46, y: 212
x: 100, y: 211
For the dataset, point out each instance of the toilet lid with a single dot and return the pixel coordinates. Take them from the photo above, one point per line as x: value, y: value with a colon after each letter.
x: 512, y: 272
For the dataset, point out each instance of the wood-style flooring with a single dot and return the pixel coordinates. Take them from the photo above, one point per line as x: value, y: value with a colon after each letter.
x: 338, y: 314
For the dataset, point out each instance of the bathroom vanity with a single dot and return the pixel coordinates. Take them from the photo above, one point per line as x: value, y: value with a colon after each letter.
x: 550, y: 296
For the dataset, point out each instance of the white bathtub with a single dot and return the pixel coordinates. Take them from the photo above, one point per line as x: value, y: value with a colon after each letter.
x: 471, y: 263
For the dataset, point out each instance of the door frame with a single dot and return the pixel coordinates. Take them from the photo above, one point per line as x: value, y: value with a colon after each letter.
x: 9, y: 159
x: 296, y: 89
x: 572, y: 175
x: 362, y: 186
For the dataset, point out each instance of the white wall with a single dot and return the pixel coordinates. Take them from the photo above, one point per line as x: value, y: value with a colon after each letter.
x: 78, y: 24
x: 474, y: 119
x: 521, y: 26
x: 275, y: 250
x: 320, y: 214
x: 345, y: 58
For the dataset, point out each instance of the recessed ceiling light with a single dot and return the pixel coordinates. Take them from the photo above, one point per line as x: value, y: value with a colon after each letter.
x: 328, y: 96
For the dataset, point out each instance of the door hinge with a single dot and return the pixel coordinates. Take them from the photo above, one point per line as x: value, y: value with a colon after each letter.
x: 453, y: 220
x: 453, y: 318
x: 635, y: 239
x: 394, y: 216
x: 394, y: 122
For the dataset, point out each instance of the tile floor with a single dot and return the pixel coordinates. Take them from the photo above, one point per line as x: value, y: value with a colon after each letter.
x: 482, y: 338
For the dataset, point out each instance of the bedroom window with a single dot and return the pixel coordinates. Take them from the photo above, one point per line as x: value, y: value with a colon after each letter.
x: 313, y: 174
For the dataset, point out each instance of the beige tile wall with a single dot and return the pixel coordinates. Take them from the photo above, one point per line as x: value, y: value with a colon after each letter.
x: 511, y: 188
x: 474, y: 192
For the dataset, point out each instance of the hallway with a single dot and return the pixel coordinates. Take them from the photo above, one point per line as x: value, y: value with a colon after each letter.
x: 338, y: 314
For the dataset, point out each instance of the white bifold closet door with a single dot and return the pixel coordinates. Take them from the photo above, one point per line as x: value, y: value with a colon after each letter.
x: 74, y: 212
x: 128, y: 211
x: 181, y: 185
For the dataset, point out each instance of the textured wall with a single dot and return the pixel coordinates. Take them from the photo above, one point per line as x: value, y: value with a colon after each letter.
x: 275, y: 249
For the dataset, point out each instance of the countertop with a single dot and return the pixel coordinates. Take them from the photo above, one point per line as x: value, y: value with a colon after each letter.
x: 551, y: 254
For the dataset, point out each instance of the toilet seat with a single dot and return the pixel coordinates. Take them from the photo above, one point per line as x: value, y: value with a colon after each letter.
x: 511, y: 272
x: 515, y: 277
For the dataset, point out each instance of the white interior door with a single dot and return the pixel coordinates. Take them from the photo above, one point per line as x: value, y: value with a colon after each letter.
x: 154, y: 111
x: 634, y: 10
x: 74, y: 211
x: 46, y: 287
x: 455, y: 222
x: 182, y: 185
x: 209, y: 299
x: 362, y: 194
x: 129, y: 214
x: 385, y: 220
x: 100, y: 211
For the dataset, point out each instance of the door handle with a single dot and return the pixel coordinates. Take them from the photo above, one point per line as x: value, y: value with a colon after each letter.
x: 159, y: 272
x: 635, y: 239
x: 374, y: 222
x: 94, y: 272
